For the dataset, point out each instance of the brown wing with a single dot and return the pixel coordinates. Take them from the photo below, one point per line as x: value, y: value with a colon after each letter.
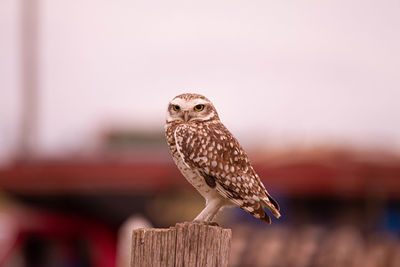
x: 219, y: 158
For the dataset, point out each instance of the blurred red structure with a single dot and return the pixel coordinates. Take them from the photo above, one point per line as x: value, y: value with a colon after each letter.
x: 144, y: 173
x: 55, y: 237
x: 344, y: 177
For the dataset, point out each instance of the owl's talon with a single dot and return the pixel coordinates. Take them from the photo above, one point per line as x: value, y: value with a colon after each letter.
x: 206, y: 223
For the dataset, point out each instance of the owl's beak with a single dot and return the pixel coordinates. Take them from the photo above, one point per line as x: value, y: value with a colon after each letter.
x: 186, y: 117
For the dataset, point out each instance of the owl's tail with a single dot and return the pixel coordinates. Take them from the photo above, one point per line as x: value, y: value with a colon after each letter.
x: 272, y: 205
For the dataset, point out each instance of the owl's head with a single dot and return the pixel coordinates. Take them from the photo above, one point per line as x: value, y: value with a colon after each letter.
x: 191, y: 108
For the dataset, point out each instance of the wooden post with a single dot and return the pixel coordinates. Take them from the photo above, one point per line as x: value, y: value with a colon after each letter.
x: 186, y: 244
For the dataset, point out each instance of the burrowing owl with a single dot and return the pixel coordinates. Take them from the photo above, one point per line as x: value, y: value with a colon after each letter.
x: 212, y: 160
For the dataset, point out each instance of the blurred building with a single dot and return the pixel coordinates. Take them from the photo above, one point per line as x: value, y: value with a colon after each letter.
x: 340, y: 207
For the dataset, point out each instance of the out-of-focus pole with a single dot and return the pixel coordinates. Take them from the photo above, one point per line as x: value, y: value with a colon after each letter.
x: 29, y: 78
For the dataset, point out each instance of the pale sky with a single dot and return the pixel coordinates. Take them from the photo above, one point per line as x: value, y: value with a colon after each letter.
x: 297, y: 72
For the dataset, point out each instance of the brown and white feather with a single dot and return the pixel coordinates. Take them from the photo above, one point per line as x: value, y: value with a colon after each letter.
x: 213, y: 161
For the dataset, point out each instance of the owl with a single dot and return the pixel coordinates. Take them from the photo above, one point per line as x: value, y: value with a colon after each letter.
x: 213, y: 161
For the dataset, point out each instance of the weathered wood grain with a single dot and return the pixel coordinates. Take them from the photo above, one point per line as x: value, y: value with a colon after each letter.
x: 184, y: 245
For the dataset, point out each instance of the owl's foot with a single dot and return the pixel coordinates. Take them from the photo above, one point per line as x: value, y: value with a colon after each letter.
x: 206, y: 223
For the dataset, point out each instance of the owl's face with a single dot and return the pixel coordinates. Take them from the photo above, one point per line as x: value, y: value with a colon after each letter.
x: 191, y: 108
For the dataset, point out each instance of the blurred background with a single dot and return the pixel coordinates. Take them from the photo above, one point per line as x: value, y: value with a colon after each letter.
x: 310, y: 88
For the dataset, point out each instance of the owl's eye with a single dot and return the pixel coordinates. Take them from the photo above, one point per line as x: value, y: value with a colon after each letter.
x: 199, y: 107
x: 176, y: 107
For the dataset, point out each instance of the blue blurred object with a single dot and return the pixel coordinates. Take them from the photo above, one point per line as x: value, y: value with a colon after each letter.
x: 391, y: 218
